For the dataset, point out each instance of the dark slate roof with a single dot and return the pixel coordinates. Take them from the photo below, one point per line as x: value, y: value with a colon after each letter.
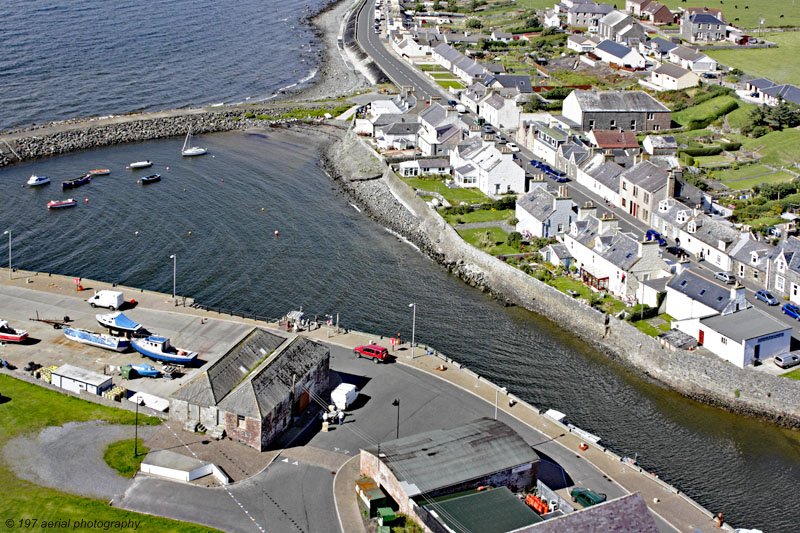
x: 705, y: 18
x: 627, y: 514
x: 662, y: 45
x: 491, y: 511
x: 591, y: 8
x: 621, y: 101
x: 707, y: 292
x: 673, y: 71
x: 686, y: 53
x: 618, y: 248
x: 648, y: 176
x: 213, y: 385
x: 521, y: 83
x: 263, y: 389
x: 743, y: 325
x: 711, y: 231
x: 678, y: 339
x: 444, y: 457
x: 560, y: 251
x: 787, y: 92
x: 403, y: 128
x: 608, y: 174
x: 539, y: 203
x: 434, y: 114
x: 762, y: 83
x: 615, y: 49
x: 743, y: 251
x: 433, y: 163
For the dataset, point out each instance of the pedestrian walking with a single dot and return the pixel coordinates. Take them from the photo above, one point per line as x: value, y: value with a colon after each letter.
x: 341, y: 417
x: 325, y: 417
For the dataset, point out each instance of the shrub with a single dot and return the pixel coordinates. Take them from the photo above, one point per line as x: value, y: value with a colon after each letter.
x: 514, y: 239
x: 513, y: 221
x: 731, y: 147
x: 708, y: 150
x: 686, y: 159
x: 474, y: 23
x: 506, y: 202
x: 249, y: 115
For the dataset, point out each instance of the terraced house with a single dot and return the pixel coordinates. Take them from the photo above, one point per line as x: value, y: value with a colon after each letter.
x: 621, y: 110
x: 642, y: 187
x: 587, y: 15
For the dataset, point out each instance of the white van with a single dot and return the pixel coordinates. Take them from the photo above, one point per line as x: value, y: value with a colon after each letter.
x: 111, y: 299
x: 344, y: 395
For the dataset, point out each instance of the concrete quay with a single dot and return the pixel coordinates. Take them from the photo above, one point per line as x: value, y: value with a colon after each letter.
x: 213, y: 333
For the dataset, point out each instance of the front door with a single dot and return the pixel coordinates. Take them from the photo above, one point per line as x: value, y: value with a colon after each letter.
x: 700, y: 336
x: 756, y: 351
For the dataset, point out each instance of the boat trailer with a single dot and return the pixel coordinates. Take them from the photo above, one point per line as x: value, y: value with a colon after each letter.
x: 57, y: 324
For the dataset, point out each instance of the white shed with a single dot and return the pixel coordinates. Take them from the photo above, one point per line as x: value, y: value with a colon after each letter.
x: 76, y: 379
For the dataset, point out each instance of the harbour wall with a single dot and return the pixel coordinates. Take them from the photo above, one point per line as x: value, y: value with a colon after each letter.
x: 698, y: 375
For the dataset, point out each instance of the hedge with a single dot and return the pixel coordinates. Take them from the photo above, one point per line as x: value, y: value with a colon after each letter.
x: 709, y: 150
x: 686, y: 159
x: 699, y: 124
x: 731, y: 147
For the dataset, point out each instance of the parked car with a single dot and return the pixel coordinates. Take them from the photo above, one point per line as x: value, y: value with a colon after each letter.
x: 371, y: 351
x: 653, y: 235
x: 677, y: 251
x: 709, y: 75
x: 786, y: 360
x: 452, y: 103
x: 586, y: 497
x: 791, y: 310
x: 766, y: 297
x: 487, y: 129
x: 724, y: 276
x: 513, y: 147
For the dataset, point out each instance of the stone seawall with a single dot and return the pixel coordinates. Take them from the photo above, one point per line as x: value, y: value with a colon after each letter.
x: 697, y: 375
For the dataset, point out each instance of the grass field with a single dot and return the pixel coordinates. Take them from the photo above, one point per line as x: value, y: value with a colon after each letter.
x: 777, y: 147
x: 443, y: 76
x: 454, y: 196
x: 563, y: 284
x: 749, y: 11
x: 711, y: 160
x: 746, y: 171
x: 702, y: 111
x: 29, y: 409
x: 746, y: 185
x: 480, y: 215
x: 794, y: 374
x: 450, y: 84
x: 740, y: 116
x: 497, y: 235
x: 119, y: 456
x: 778, y: 64
x: 432, y: 68
x: 654, y: 326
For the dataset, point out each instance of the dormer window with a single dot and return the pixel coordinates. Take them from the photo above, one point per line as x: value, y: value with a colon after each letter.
x: 692, y: 227
x: 663, y: 206
x: 781, y: 265
x: 753, y: 257
x: 681, y: 218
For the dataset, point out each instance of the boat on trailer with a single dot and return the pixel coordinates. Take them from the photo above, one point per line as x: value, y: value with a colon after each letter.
x: 9, y: 334
x: 118, y: 322
x: 35, y: 181
x: 77, y: 182
x: 158, y: 348
x: 59, y: 204
x: 101, y: 340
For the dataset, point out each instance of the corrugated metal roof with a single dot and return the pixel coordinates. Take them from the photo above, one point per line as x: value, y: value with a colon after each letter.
x: 444, y: 457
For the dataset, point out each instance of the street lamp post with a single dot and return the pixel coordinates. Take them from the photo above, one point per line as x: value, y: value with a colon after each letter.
x: 413, y: 326
x: 174, y: 259
x: 496, y: 393
x: 9, y: 251
x: 396, y: 403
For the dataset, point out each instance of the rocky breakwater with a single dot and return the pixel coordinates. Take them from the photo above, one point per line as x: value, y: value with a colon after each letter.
x: 364, y: 177
x: 63, y: 137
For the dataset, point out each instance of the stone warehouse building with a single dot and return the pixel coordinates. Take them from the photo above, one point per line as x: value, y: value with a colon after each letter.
x: 256, y: 389
x: 616, y: 110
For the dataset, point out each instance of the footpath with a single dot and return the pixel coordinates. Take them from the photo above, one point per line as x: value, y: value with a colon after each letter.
x: 669, y: 503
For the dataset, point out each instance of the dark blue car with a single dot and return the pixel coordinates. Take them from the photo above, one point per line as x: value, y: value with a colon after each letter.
x: 792, y: 311
x: 653, y: 235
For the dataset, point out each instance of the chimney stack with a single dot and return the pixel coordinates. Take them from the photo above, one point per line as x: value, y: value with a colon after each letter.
x: 588, y: 209
x: 607, y: 224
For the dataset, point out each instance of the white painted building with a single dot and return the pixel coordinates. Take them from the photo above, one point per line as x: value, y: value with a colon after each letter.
x: 708, y: 239
x: 478, y: 163
x: 500, y: 112
x: 690, y: 295
x: 544, y: 214
x: 77, y: 380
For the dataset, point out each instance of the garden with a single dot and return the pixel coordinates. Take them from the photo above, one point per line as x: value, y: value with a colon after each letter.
x: 454, y: 196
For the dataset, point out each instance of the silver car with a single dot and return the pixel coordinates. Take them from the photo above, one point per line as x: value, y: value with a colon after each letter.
x: 786, y: 360
x: 724, y: 276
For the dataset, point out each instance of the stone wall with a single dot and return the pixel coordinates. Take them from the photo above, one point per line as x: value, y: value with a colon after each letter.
x: 698, y: 375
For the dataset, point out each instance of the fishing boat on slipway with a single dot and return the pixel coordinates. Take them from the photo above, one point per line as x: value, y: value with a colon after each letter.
x: 159, y: 348
x: 101, y: 340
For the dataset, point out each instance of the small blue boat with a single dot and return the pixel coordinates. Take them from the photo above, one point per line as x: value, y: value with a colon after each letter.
x: 152, y: 178
x: 101, y: 340
x: 158, y: 348
x: 118, y: 322
x: 146, y: 371
x: 77, y: 182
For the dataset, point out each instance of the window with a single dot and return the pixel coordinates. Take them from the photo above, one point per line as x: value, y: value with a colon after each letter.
x: 779, y: 283
x: 723, y: 340
x: 624, y: 185
x: 755, y: 274
x: 635, y: 191
x: 794, y: 289
x: 741, y: 271
x: 656, y: 127
x: 623, y: 202
x: 560, y: 228
x: 781, y: 266
x: 591, y: 124
x: 613, y: 124
x: 651, y: 116
x: 646, y: 198
x: 633, y: 124
x: 241, y: 421
x: 645, y: 214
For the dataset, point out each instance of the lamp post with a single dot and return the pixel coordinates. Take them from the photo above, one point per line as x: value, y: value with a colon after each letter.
x: 396, y: 403
x: 496, y: 393
x: 174, y: 259
x: 9, y: 251
x: 413, y: 326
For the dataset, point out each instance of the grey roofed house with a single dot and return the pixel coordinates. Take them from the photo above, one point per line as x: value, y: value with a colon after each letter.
x: 470, y: 66
x: 613, y: 18
x: 402, y: 128
x: 663, y: 142
x: 752, y: 252
x: 685, y: 53
x: 521, y: 83
x: 705, y: 18
x: 711, y: 231
x: 441, y: 458
x: 707, y: 292
x: 558, y: 249
x: 495, y: 67
x: 661, y: 45
x: 434, y: 114
x: 496, y: 101
x: 648, y: 176
x: 615, y: 49
x: 539, y: 203
x: 449, y: 134
x: 263, y: 389
x: 761, y: 83
x: 743, y: 325
x: 502, y: 35
x: 621, y: 101
x: 787, y: 92
x: 626, y: 514
x: 433, y: 163
x: 608, y: 174
x: 573, y: 152
x: 671, y: 70
x: 448, y: 52
x: 462, y: 38
x: 213, y: 385
x: 616, y: 247
x: 591, y: 8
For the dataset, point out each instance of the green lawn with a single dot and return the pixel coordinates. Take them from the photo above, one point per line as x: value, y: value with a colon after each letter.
x: 740, y: 116
x: 120, y: 456
x: 450, y: 84
x: 563, y: 284
x: 711, y: 160
x: 702, y: 111
x: 443, y: 76
x: 31, y: 409
x: 777, y: 147
x: 432, y: 68
x: 650, y: 327
x: 454, y: 196
x: 497, y: 236
x: 794, y: 374
x: 480, y: 215
x: 746, y: 185
x: 778, y: 64
x: 748, y: 12
x: 746, y: 171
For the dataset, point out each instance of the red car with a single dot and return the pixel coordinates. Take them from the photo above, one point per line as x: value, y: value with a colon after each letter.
x: 371, y: 351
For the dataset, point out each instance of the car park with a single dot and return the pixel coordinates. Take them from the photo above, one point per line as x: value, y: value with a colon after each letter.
x: 791, y: 310
x: 724, y: 276
x: 653, y: 235
x: 766, y: 297
x: 786, y: 360
x: 371, y: 351
x: 587, y: 497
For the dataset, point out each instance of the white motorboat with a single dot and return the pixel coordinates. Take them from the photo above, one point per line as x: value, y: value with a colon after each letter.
x: 101, y: 340
x: 35, y: 180
x: 141, y: 164
x: 188, y: 149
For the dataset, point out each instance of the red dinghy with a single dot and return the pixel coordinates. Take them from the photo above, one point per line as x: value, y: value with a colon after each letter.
x: 57, y: 204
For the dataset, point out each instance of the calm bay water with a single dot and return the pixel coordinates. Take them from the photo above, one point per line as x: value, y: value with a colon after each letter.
x: 62, y: 59
x: 331, y: 259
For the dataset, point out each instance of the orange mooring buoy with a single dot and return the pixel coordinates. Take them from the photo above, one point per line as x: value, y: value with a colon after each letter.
x: 276, y: 233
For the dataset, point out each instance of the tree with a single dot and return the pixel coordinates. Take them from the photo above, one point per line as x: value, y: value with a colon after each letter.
x: 437, y: 6
x: 474, y: 23
x: 552, y: 30
x: 514, y: 239
x: 419, y: 7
